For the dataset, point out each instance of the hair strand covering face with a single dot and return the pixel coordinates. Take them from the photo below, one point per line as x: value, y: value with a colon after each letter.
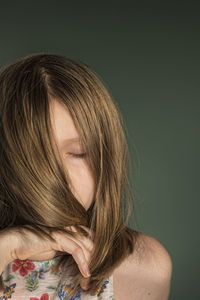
x: 34, y: 187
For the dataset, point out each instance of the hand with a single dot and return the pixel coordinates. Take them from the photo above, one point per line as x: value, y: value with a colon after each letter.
x: 31, y: 246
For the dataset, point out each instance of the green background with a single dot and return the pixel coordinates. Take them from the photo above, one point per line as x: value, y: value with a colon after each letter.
x: 148, y: 56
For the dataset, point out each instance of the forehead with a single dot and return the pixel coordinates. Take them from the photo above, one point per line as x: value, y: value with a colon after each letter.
x: 63, y: 124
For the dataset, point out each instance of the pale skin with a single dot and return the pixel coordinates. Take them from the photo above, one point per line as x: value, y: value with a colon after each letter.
x: 80, y: 248
x: 66, y: 137
x: 144, y: 275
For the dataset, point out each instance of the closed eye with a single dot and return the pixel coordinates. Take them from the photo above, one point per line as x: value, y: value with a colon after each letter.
x: 81, y: 155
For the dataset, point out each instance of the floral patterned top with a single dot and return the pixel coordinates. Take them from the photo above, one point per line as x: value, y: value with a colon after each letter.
x: 33, y: 280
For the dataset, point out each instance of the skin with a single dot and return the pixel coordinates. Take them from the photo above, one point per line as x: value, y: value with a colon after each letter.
x: 82, y: 186
x: 146, y: 274
x: 79, y: 172
x: 81, y: 178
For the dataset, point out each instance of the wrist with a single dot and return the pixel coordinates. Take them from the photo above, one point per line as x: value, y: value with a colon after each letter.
x: 8, y: 242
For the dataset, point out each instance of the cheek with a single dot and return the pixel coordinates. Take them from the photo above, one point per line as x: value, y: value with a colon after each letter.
x: 82, y: 181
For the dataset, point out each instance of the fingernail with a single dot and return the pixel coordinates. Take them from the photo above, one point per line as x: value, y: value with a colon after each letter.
x: 86, y: 271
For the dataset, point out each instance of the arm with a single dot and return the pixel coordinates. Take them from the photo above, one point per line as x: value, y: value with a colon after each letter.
x: 8, y: 242
x: 146, y: 274
x: 160, y: 270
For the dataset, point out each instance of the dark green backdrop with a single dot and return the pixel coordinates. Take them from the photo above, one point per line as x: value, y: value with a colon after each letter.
x: 148, y: 55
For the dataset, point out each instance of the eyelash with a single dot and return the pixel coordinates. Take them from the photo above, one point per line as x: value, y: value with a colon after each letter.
x: 81, y: 155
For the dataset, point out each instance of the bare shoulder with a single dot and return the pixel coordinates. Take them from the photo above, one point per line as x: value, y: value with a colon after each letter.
x: 146, y: 273
x: 154, y: 255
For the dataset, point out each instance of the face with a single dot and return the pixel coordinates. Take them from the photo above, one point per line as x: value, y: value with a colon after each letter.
x: 69, y: 146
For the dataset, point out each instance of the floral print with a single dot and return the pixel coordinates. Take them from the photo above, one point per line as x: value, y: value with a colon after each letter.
x: 34, y: 281
x: 23, y: 266
x: 43, y: 297
x: 101, y: 288
x: 8, y: 291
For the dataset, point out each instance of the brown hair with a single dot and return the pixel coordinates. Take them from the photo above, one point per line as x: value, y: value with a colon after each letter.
x: 34, y: 189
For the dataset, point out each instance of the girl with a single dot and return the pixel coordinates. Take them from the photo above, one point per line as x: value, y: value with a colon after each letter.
x: 64, y: 198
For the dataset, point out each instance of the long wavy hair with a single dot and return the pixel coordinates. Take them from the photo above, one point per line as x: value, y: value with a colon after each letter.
x: 34, y: 187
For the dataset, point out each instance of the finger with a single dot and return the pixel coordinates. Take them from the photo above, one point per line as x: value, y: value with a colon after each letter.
x: 66, y: 244
x: 90, y: 231
x: 45, y: 255
x: 84, y: 241
x: 84, y: 283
